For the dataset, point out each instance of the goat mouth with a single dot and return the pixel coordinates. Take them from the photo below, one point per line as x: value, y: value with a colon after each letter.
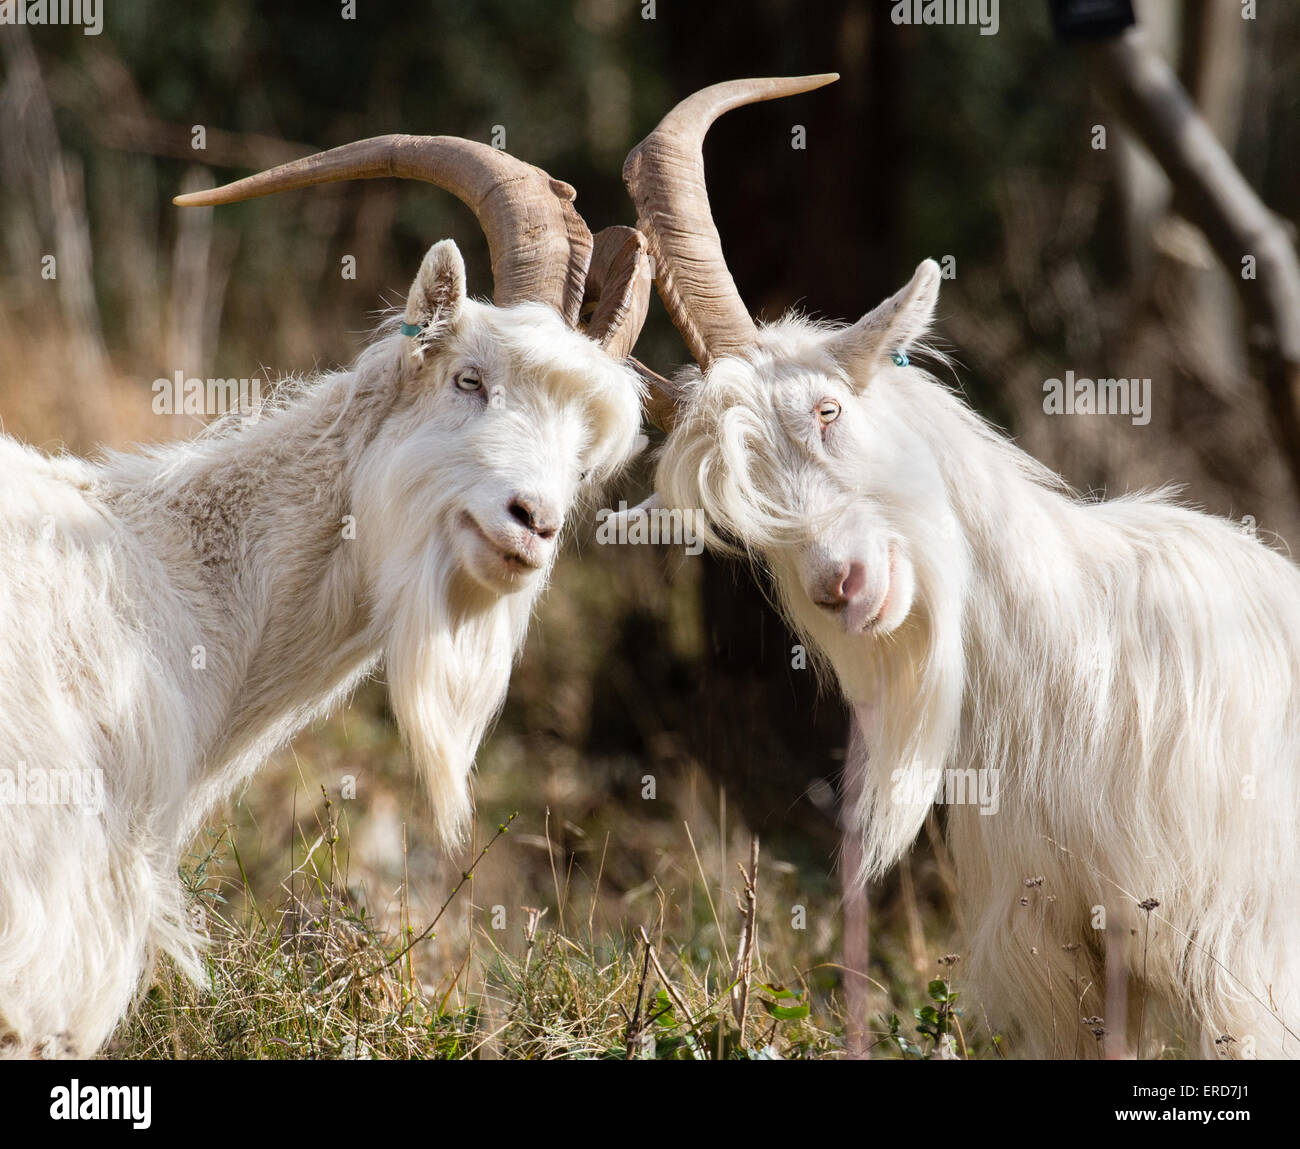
x: 521, y: 563
x: 886, y: 598
x: 883, y: 605
x: 517, y: 560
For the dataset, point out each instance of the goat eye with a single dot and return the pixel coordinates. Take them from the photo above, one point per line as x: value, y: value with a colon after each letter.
x: 828, y: 410
x: 468, y: 380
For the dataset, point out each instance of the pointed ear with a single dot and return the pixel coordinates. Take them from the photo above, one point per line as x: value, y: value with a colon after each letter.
x: 893, y: 326
x: 436, y: 295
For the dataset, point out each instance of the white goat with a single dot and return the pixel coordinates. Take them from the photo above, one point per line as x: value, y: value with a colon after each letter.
x: 1128, y: 671
x: 168, y: 618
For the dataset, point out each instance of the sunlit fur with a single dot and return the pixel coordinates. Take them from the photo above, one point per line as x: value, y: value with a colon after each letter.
x: 169, y: 617
x: 1131, y: 667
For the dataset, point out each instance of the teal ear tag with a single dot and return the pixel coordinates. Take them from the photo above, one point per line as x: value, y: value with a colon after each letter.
x: 899, y: 358
x: 412, y: 329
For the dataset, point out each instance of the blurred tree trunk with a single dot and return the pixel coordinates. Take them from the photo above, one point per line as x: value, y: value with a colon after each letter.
x: 37, y: 172
x: 1213, y: 69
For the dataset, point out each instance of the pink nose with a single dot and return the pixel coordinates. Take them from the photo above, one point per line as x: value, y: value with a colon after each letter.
x: 841, y: 586
x: 535, y: 515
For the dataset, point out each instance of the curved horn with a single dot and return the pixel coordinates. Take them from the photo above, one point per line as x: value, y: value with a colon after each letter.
x: 539, y: 244
x: 618, y: 288
x: 665, y: 175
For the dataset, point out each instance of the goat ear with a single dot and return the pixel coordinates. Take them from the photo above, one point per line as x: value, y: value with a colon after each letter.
x: 891, y: 327
x: 439, y: 289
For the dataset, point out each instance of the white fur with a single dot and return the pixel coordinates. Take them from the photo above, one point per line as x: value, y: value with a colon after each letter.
x: 114, y: 574
x: 1131, y: 667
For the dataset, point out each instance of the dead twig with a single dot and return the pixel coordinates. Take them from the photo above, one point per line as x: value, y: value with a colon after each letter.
x: 742, y: 968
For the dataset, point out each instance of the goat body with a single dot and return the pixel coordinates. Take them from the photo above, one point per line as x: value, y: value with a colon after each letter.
x: 168, y: 618
x: 1127, y: 671
x: 1115, y: 683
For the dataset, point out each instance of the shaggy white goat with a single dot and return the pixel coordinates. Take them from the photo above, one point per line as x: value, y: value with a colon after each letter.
x: 1117, y: 680
x: 168, y: 618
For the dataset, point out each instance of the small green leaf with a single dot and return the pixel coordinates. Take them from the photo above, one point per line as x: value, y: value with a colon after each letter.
x: 780, y: 992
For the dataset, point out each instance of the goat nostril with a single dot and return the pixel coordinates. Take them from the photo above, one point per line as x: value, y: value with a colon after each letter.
x: 522, y: 513
x: 853, y: 582
x: 842, y: 586
x: 536, y: 518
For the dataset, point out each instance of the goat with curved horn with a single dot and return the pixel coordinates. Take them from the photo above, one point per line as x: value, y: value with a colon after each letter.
x: 208, y: 598
x: 1084, y: 685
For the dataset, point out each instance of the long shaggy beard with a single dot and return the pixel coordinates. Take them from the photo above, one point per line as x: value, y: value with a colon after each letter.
x: 906, y: 690
x: 448, y: 655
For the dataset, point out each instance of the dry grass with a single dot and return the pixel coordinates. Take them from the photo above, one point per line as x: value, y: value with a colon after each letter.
x: 317, y: 978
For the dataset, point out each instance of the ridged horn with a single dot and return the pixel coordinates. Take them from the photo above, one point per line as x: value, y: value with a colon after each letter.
x: 665, y: 175
x: 539, y: 245
x: 618, y: 289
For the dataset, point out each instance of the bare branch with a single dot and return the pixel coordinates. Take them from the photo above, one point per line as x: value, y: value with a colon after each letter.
x: 1214, y: 195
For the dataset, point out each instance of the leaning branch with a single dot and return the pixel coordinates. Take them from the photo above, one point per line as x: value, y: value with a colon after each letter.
x: 1214, y: 195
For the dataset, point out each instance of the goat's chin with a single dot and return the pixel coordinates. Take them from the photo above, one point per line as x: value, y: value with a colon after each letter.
x: 501, y: 562
x: 899, y: 596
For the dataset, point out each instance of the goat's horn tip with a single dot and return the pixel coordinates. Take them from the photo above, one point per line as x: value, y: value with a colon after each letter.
x: 190, y: 199
x: 818, y: 80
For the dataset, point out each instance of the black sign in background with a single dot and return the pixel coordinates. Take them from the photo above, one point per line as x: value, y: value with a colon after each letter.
x: 1091, y: 19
